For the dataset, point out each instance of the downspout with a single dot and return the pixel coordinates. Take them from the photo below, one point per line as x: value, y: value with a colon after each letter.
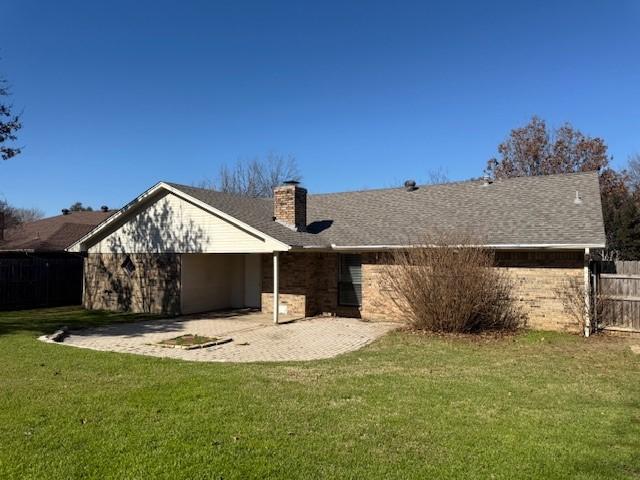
x: 276, y: 287
x: 587, y: 295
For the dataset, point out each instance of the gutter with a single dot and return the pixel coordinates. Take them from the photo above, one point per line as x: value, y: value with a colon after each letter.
x: 522, y: 246
x: 374, y: 248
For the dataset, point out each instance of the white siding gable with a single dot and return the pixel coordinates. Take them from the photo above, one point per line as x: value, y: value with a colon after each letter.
x: 171, y: 224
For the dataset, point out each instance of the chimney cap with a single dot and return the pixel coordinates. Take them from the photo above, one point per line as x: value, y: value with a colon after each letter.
x: 291, y: 182
x: 66, y: 211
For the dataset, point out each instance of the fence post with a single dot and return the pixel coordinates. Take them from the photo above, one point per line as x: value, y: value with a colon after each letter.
x: 594, y: 293
x: 587, y: 295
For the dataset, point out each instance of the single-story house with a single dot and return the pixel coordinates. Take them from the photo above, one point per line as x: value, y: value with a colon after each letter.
x: 178, y: 249
x: 35, y: 268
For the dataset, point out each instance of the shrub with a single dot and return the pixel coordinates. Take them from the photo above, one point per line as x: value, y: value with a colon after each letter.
x: 571, y: 294
x: 450, y: 284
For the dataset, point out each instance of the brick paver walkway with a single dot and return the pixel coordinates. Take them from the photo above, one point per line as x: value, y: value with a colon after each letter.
x: 255, y: 338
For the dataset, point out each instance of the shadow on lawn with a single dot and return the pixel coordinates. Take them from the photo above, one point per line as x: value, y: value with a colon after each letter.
x: 47, y: 320
x: 606, y: 466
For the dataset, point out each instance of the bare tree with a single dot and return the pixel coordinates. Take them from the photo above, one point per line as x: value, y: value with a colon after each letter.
x: 13, y: 216
x: 437, y: 176
x: 9, y: 124
x: 255, y: 178
x: 633, y: 172
x: 28, y: 214
x: 9, y: 214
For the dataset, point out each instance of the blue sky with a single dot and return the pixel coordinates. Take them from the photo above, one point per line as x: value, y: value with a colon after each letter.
x: 118, y: 95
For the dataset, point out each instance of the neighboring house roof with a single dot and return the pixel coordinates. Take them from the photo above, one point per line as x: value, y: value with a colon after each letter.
x: 519, y: 212
x: 53, y: 233
x: 525, y: 211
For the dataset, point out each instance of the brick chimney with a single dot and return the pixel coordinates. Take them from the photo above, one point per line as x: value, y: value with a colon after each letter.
x: 290, y: 205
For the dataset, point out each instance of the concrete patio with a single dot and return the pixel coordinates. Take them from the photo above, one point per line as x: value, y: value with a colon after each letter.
x: 255, y: 337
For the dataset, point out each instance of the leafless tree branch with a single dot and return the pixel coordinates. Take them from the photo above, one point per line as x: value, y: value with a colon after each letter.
x: 256, y: 177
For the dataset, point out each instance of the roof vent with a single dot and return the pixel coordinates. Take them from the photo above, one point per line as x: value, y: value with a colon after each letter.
x: 577, y: 200
x: 410, y: 185
x: 104, y: 208
x: 486, y: 181
x: 66, y: 211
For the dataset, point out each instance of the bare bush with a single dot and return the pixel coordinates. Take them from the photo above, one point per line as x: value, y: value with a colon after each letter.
x: 571, y: 294
x: 449, y: 284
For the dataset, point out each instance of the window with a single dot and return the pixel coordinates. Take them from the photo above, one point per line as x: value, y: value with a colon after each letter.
x: 128, y: 265
x: 350, y: 280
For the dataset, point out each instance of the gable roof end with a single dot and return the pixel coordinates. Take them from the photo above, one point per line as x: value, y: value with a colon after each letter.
x: 83, y: 243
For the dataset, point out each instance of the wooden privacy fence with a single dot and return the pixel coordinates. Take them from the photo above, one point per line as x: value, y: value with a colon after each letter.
x: 30, y: 281
x: 618, y: 296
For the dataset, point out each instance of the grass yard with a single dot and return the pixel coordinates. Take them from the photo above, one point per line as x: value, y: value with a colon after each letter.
x: 537, y: 405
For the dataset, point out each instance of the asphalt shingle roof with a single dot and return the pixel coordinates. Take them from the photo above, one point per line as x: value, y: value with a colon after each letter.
x: 52, y: 233
x: 518, y: 211
x: 256, y: 212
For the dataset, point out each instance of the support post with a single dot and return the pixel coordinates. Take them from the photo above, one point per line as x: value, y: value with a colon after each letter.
x: 587, y: 295
x: 276, y: 288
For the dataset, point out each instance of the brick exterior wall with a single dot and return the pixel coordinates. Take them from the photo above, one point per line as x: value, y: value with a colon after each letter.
x: 309, y: 285
x: 377, y: 297
x: 290, y: 206
x: 153, y: 287
x: 537, y: 278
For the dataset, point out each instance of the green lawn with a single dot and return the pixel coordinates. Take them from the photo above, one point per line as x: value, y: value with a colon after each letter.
x: 537, y: 405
